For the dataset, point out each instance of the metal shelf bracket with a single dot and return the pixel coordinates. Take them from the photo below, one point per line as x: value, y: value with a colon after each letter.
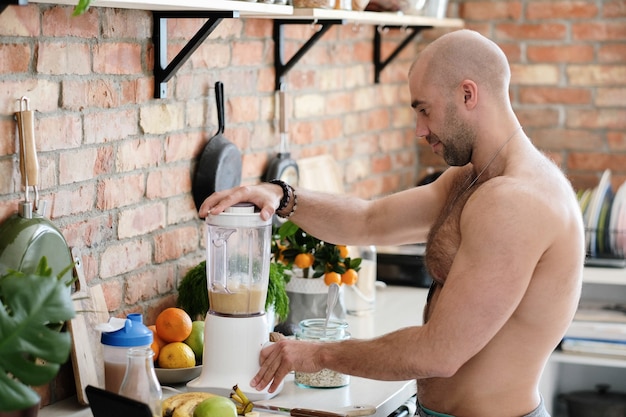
x: 281, y: 67
x: 164, y: 71
x: 5, y: 3
x: 379, y: 63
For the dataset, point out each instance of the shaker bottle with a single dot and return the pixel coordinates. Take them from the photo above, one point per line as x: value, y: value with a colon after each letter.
x: 115, y: 346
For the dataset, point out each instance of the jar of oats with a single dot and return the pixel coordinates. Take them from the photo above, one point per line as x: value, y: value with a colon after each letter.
x: 315, y: 331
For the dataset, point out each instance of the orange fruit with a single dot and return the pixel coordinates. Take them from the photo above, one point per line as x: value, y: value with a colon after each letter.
x: 332, y: 278
x: 350, y: 277
x: 177, y: 355
x: 173, y: 325
x: 157, y: 342
x: 343, y: 251
x: 304, y: 260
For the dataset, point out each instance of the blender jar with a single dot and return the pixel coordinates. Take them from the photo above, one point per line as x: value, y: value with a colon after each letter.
x: 238, y: 253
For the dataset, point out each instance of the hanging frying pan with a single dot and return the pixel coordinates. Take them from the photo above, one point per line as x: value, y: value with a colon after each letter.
x: 282, y: 167
x: 219, y: 166
x: 28, y: 235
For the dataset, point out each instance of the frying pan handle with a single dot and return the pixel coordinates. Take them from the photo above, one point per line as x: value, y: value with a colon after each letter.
x: 219, y: 101
x: 29, y: 165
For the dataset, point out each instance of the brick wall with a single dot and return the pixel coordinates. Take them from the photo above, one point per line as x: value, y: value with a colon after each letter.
x: 116, y: 164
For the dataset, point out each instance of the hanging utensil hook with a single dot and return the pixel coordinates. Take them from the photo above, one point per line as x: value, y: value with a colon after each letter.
x: 29, y: 166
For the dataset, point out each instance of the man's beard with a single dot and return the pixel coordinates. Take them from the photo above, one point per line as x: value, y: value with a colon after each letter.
x: 457, y: 139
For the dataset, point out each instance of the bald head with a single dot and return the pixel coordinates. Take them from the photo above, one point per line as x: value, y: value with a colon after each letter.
x: 461, y: 55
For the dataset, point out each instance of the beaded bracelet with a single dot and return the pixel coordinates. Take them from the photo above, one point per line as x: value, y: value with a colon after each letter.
x: 288, y: 194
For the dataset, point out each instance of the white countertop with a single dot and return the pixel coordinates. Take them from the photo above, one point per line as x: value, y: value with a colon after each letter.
x: 396, y: 307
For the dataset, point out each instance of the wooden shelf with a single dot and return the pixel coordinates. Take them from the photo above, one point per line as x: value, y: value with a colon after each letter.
x: 217, y: 10
x: 245, y: 8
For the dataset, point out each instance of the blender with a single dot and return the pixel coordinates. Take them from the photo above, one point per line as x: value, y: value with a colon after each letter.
x: 236, y: 325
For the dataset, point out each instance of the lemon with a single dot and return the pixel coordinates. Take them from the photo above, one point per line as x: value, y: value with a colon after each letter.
x: 176, y: 355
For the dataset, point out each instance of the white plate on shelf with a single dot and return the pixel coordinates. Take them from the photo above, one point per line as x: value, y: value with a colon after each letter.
x: 177, y: 376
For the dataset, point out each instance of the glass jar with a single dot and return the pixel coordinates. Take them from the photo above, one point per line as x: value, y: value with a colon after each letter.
x: 140, y: 381
x: 314, y: 330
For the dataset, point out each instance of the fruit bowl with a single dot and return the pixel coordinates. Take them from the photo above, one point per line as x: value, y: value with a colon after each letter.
x: 177, y: 376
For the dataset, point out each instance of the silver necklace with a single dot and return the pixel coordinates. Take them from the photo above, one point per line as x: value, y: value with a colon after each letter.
x: 482, y: 171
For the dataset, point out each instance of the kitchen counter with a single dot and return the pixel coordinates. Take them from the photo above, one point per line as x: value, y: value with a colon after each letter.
x: 396, y: 307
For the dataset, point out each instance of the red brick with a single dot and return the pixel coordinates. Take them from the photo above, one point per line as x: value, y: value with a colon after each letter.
x: 117, y: 58
x: 8, y: 144
x: 599, y: 31
x: 88, y: 232
x: 605, y: 118
x: 58, y: 132
x: 9, y: 178
x: 560, y: 53
x: 58, y: 58
x: 254, y: 165
x: 106, y: 126
x: 595, y: 161
x: 613, y: 8
x: 181, y: 209
x: 115, y: 24
x: 517, y: 31
x: 559, y: 139
x: 14, y: 57
x: 542, y: 10
x: 168, y: 182
x: 77, y: 165
x: 612, y: 53
x: 59, y: 22
x: 121, y: 258
x: 72, y: 201
x: 149, y: 284
x: 490, y: 10
x: 80, y: 94
x: 140, y: 220
x: 596, y: 75
x: 557, y: 95
x: 538, y: 116
x: 139, y: 154
x: 20, y: 21
x: 617, y: 141
x: 118, y: 192
x: 175, y: 243
x: 43, y: 94
x: 612, y: 97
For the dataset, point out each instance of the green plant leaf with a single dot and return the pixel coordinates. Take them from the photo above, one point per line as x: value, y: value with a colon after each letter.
x: 31, y: 352
x: 81, y: 7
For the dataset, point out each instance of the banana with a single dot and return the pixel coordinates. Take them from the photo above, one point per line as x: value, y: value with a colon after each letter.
x: 242, y: 402
x: 183, y: 404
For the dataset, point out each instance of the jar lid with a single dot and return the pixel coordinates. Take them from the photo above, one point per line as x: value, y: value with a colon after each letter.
x: 239, y: 215
x: 134, y: 333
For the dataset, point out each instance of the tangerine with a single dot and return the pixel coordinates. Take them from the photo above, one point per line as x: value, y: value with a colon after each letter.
x: 343, y: 251
x: 173, y: 325
x: 304, y: 260
x: 157, y: 342
x: 332, y: 278
x: 350, y: 277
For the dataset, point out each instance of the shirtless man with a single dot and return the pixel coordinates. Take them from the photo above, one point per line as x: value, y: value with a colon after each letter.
x: 505, y: 246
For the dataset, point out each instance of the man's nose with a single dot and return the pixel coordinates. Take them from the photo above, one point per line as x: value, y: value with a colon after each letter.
x: 421, y: 131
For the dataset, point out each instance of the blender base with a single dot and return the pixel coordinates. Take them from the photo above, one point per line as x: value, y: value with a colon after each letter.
x: 231, y: 356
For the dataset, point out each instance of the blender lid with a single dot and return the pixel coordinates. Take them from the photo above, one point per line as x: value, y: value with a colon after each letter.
x: 239, y: 215
x: 134, y: 333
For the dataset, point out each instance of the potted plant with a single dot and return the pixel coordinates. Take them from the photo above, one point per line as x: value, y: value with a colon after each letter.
x: 313, y: 265
x: 33, y: 308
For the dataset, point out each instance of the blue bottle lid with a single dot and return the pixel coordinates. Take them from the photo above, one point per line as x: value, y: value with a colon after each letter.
x: 134, y: 333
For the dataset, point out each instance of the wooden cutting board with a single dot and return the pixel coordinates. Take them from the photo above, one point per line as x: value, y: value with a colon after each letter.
x: 91, y: 309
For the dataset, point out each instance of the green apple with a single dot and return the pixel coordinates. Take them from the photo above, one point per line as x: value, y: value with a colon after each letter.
x: 216, y: 407
x: 196, y: 339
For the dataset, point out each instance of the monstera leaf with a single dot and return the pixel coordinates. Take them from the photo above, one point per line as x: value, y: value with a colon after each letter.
x: 31, y: 350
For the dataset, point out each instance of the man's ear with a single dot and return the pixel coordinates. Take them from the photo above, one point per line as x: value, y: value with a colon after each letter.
x: 470, y: 93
